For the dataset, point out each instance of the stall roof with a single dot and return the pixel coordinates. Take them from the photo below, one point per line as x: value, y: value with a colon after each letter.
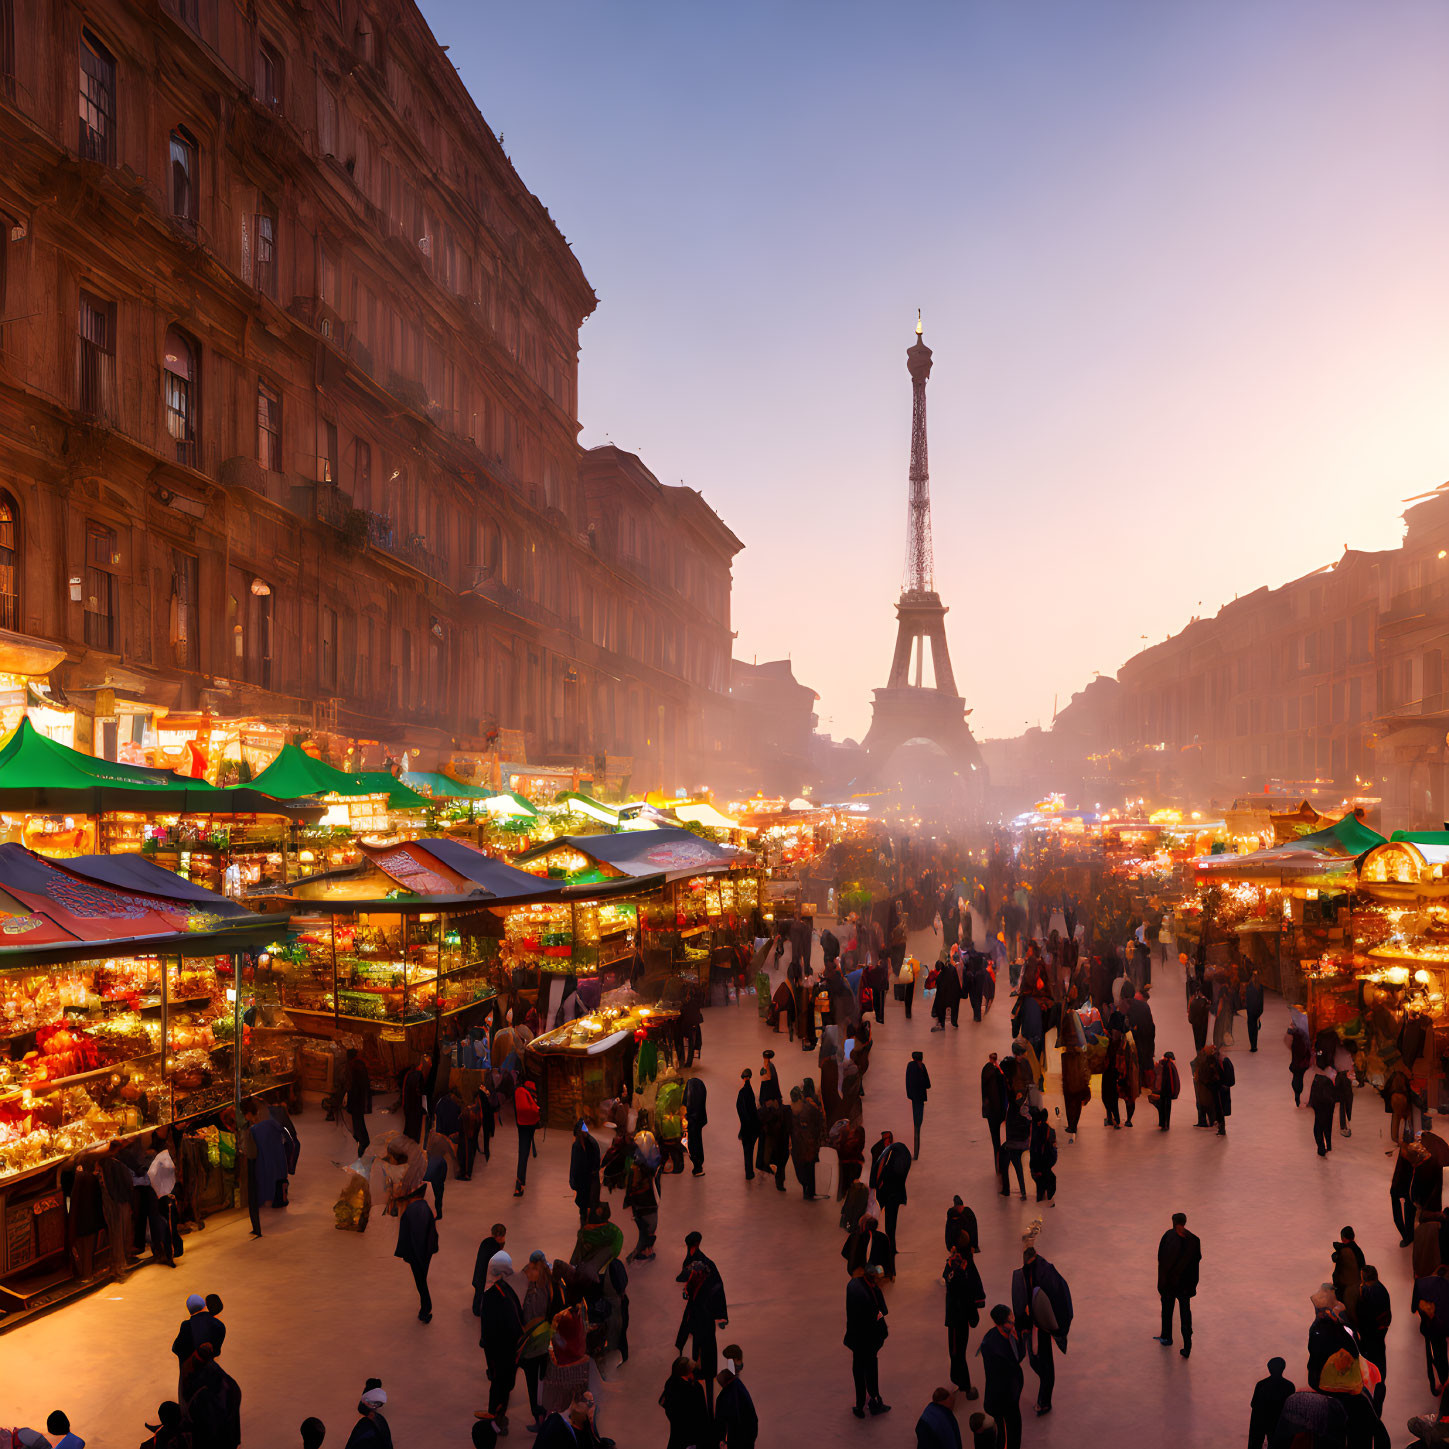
x: 47, y: 906
x: 701, y: 812
x: 37, y: 774
x: 136, y: 873
x: 255, y: 933
x: 430, y: 782
x: 673, y: 853
x: 1349, y: 836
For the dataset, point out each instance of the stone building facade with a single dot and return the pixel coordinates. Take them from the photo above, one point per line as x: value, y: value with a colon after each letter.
x: 288, y: 394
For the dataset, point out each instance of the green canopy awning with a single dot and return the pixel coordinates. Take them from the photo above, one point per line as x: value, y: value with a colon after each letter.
x: 443, y: 787
x: 1349, y: 836
x: 1422, y: 837
x: 295, y: 773
x: 37, y: 774
x: 399, y: 796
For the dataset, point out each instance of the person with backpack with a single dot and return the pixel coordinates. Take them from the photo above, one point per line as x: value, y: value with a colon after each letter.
x: 1041, y: 1303
x: 641, y: 1192
x: 525, y: 1115
x: 1169, y: 1084
x: 1042, y: 1157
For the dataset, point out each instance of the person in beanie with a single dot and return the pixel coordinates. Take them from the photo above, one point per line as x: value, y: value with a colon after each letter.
x: 502, y: 1328
x: 735, y: 1420
x: 371, y: 1429
x: 937, y: 1427
x: 918, y: 1085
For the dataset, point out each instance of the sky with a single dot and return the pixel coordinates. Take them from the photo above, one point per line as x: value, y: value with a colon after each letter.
x: 1183, y: 268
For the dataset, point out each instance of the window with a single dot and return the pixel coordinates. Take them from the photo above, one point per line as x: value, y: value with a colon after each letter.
x: 361, y: 473
x: 95, y: 356
x: 97, y: 101
x: 7, y: 49
x: 327, y: 650
x: 9, y: 563
x: 326, y: 121
x: 249, y: 616
x: 366, y: 645
x: 100, y: 588
x: 179, y: 386
x: 184, y: 622
x: 269, y: 76
x: 265, y: 274
x: 269, y: 427
x: 188, y: 12
x: 327, y: 451
x: 183, y: 175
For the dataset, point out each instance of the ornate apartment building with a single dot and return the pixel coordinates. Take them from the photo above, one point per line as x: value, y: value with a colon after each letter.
x: 1332, y: 686
x: 288, y: 403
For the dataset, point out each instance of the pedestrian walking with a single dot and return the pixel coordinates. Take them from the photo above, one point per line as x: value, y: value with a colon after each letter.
x: 1269, y: 1396
x: 417, y: 1242
x: 889, y: 1169
x: 906, y: 983
x: 1253, y: 1009
x: 696, y: 1116
x: 993, y: 1103
x: 1431, y: 1303
x: 1322, y: 1099
x: 965, y: 1298
x: 357, y: 1101
x: 1401, y: 1198
x: 641, y: 1197
x: 1197, y: 1019
x: 1374, y: 1315
x: 1300, y: 1051
x: 1179, y: 1261
x: 542, y: 1300
x: 1041, y: 1305
x: 1042, y: 1157
x: 736, y: 1424
x: 865, y: 1332
x: 918, y: 1086
x: 499, y: 1337
x: 371, y: 1430
x: 1168, y: 1085
x: 774, y: 1150
x: 1001, y: 1351
x: 705, y: 1311
x: 1016, y: 1140
x: 937, y: 1428
x: 584, y: 1160
x: 684, y: 1406
x: 198, y: 1327
x: 807, y: 1135
x: 749, y: 1115
x: 493, y: 1243
x: 526, y: 1118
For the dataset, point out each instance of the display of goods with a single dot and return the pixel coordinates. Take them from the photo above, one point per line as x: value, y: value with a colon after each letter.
x: 62, y: 1051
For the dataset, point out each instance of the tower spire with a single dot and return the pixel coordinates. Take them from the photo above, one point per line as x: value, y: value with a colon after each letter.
x: 920, y: 560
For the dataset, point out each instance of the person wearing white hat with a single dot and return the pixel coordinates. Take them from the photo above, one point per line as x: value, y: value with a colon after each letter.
x: 371, y: 1429
x: 198, y: 1327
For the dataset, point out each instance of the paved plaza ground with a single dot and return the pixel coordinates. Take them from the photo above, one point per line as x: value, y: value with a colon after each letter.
x: 311, y: 1312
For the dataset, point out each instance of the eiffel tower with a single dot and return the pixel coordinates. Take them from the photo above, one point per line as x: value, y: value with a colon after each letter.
x: 908, y: 709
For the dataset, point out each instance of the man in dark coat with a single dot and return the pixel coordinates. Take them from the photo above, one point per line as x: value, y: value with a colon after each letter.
x: 502, y: 1328
x: 775, y: 1123
x: 1179, y: 1259
x: 975, y: 982
x: 1253, y: 1001
x: 358, y: 1098
x: 1169, y: 1084
x: 890, y: 1166
x: 735, y: 1420
x: 749, y: 1115
x: 412, y: 1102
x: 197, y: 1327
x: 490, y: 1245
x: 705, y: 1310
x: 993, y: 1103
x: 937, y: 1428
x: 584, y: 1162
x: 1269, y: 1396
x: 1144, y: 1033
x: 1041, y: 1306
x: 948, y: 992
x: 417, y: 1241
x: 1322, y: 1099
x: 1197, y: 1018
x: 865, y: 1331
x: 1002, y: 1351
x: 695, y: 1119
x: 918, y: 1085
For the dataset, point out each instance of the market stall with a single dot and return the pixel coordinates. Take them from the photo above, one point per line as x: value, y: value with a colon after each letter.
x: 118, y: 1015
x: 701, y: 916
x: 583, y: 1063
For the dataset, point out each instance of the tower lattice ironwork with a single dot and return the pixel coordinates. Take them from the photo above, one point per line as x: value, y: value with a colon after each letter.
x: 908, y: 709
x: 920, y: 560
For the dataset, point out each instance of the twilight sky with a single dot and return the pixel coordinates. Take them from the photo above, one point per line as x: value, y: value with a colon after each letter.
x: 1184, y: 268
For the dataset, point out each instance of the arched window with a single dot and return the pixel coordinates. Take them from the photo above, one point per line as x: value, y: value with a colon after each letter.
x: 183, y: 175
x: 179, y: 384
x: 9, y: 563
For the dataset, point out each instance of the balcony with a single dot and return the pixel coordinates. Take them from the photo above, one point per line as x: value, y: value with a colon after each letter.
x: 413, y: 551
x: 486, y: 585
x: 1413, y: 609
